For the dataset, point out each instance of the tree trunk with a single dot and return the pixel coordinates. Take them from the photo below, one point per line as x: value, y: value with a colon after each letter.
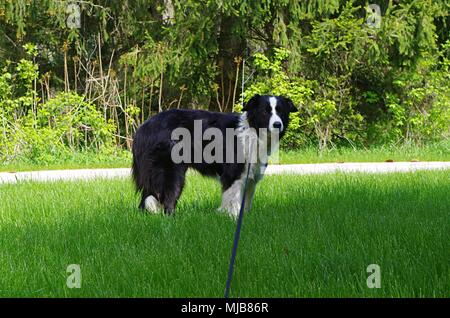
x: 231, y: 45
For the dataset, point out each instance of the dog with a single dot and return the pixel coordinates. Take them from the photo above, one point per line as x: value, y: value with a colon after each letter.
x: 160, y: 178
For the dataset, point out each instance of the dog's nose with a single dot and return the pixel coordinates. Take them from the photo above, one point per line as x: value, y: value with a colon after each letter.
x: 277, y: 124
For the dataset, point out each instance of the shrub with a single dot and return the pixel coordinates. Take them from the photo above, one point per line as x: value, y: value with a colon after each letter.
x: 40, y: 132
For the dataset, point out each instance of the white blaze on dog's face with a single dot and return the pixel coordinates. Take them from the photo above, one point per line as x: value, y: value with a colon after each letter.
x: 275, y: 122
x: 269, y: 112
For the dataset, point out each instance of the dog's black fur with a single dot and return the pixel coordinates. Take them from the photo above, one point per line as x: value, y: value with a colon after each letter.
x: 154, y: 172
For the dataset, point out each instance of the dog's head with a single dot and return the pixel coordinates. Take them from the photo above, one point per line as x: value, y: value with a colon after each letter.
x: 269, y: 112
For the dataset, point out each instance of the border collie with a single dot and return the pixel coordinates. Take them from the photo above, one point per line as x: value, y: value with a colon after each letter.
x: 160, y: 179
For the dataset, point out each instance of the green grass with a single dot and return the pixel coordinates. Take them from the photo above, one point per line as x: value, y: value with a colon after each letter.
x: 81, y: 160
x: 75, y: 160
x: 306, y: 236
x: 432, y: 152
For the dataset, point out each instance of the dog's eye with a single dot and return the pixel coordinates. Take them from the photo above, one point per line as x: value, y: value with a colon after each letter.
x: 269, y: 109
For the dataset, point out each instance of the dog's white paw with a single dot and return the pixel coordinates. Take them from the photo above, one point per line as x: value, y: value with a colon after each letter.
x: 232, y: 211
x: 152, y: 205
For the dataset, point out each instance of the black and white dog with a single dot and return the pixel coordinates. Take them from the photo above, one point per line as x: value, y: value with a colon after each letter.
x: 160, y: 178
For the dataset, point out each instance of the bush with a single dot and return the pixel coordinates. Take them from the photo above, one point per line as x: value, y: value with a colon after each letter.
x: 40, y: 132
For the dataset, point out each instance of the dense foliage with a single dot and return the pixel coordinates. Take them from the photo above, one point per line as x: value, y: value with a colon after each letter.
x: 359, y: 78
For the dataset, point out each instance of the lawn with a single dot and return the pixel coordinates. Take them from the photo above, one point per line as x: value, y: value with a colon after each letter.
x: 431, y: 152
x: 306, y: 236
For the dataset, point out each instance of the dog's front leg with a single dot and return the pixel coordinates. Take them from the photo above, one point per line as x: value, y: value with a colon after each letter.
x: 231, y: 199
x: 257, y: 175
x: 249, y: 194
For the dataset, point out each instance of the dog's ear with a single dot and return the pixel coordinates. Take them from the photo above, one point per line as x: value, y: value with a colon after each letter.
x: 290, y: 104
x: 251, y: 103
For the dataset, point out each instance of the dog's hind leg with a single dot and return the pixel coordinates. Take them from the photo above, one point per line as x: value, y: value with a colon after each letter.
x: 152, y: 205
x: 173, y: 186
x: 166, y: 185
x: 149, y: 202
x: 149, y: 197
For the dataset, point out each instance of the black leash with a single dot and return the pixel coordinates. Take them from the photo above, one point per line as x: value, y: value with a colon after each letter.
x: 236, y: 237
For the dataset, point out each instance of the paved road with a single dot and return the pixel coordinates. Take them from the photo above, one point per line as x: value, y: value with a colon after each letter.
x: 366, y: 167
